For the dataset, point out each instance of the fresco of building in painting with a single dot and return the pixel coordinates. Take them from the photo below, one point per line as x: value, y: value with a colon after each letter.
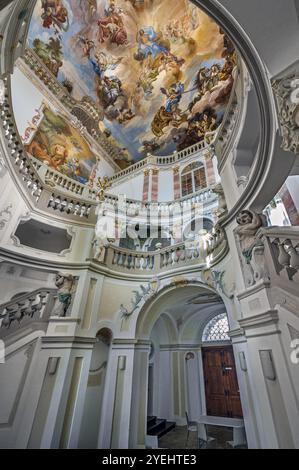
x: 160, y: 70
x: 61, y: 147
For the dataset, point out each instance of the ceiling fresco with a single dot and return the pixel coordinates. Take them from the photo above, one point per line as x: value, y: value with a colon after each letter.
x: 61, y: 147
x: 160, y: 71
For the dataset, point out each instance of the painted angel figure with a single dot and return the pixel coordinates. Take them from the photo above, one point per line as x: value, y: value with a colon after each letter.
x: 104, y: 62
x: 149, y: 42
x: 111, y: 26
x: 174, y: 95
x: 55, y: 14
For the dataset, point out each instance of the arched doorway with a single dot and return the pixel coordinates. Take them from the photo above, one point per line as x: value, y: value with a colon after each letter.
x: 174, y: 324
x: 222, y: 394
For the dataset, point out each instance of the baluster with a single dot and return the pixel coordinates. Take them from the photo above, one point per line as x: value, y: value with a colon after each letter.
x: 120, y: 259
x: 129, y: 261
x: 176, y: 256
x: 141, y: 262
x: 152, y: 262
x: 292, y: 252
x: 169, y: 258
x: 115, y: 257
x: 283, y: 256
x: 183, y: 254
x: 137, y: 262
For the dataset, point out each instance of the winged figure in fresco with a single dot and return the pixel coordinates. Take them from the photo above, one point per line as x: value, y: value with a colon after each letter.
x: 170, y: 114
x: 111, y: 26
x: 55, y: 14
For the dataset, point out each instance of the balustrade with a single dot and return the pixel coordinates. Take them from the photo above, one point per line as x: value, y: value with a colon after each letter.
x: 180, y: 255
x: 283, y: 244
x: 36, y: 304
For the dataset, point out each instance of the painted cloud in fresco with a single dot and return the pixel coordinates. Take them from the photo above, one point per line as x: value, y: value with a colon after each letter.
x: 160, y: 70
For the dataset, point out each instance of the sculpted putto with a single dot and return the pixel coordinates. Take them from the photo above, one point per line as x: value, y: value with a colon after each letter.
x: 99, y: 249
x: 248, y: 224
x: 64, y: 283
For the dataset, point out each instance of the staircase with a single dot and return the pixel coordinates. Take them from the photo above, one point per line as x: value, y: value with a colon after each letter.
x: 158, y: 427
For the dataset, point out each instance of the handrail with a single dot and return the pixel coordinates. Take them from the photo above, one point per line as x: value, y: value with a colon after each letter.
x: 53, y: 177
x: 27, y: 305
x: 205, y: 251
x: 167, y: 160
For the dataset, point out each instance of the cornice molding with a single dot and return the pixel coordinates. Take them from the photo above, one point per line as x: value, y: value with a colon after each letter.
x: 270, y: 317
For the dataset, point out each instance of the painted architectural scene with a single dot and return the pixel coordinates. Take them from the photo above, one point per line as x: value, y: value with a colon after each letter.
x: 52, y: 140
x: 159, y: 71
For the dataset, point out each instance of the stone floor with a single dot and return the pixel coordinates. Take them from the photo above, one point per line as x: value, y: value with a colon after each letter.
x: 176, y: 439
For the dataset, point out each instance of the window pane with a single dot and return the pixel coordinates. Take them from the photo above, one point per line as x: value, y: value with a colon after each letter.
x: 217, y: 329
x: 200, y: 179
x: 187, y: 184
x: 191, y: 167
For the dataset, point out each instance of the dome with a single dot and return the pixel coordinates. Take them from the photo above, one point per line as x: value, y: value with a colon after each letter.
x: 146, y: 76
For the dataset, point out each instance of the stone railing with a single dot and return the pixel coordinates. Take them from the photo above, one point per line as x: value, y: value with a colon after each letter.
x: 232, y: 115
x: 206, y: 252
x: 36, y: 305
x: 168, y: 160
x: 54, y: 178
x: 282, y: 247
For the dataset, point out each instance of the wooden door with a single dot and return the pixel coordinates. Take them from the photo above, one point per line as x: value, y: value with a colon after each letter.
x: 221, y: 383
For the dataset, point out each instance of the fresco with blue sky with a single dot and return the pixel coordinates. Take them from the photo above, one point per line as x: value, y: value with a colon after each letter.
x: 159, y: 70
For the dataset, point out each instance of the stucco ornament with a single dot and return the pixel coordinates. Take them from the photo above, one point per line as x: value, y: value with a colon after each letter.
x: 222, y: 206
x: 249, y: 223
x: 216, y: 279
x: 142, y: 294
x: 287, y: 95
x: 65, y: 285
x: 2, y: 92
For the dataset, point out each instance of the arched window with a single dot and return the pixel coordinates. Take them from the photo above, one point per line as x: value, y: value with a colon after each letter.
x: 217, y: 329
x: 193, y: 178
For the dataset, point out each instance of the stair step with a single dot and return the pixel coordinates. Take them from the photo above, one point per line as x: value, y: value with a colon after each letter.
x: 156, y: 427
x: 160, y: 428
x: 168, y: 427
x: 151, y: 420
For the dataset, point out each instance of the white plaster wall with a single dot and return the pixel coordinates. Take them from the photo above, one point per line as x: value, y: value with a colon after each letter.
x: 292, y: 184
x: 132, y: 188
x: 26, y: 99
x: 94, y: 397
x: 16, y: 279
x: 166, y: 189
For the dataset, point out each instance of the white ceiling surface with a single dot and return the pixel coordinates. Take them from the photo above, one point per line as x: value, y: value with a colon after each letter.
x: 272, y: 26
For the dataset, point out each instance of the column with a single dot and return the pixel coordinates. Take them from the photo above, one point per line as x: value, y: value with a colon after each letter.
x: 210, y: 172
x: 155, y: 185
x: 268, y: 369
x: 63, y: 365
x: 146, y: 181
x: 116, y: 411
x: 176, y: 182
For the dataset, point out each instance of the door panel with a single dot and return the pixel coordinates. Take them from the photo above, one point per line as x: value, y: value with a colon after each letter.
x: 221, y: 384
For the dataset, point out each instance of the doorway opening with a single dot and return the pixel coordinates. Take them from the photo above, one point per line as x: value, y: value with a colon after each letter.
x: 191, y: 370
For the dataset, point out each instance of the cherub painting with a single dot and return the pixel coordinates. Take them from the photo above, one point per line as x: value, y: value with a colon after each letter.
x: 111, y: 26
x: 55, y: 14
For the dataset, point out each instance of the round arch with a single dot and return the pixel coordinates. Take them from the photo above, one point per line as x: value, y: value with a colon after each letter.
x: 151, y: 310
